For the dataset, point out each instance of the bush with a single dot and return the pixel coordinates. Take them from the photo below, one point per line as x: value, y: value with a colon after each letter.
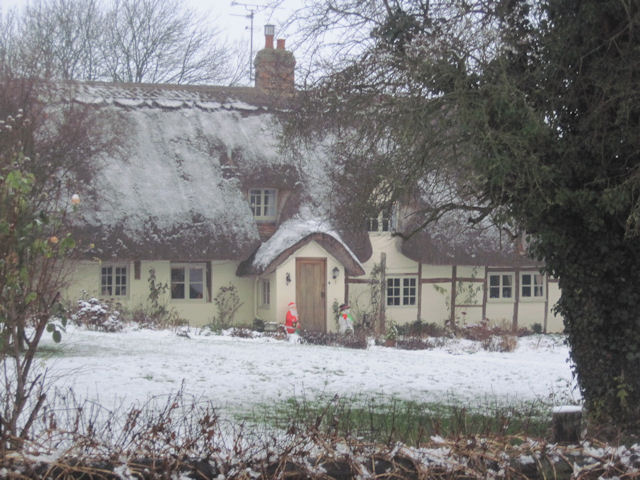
x: 500, y: 343
x: 357, y: 340
x: 96, y: 315
x: 422, y: 329
x: 414, y: 343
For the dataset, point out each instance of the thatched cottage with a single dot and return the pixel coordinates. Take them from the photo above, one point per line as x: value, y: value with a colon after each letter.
x: 199, y: 196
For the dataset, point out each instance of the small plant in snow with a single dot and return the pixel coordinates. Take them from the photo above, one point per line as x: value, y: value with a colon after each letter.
x: 156, y: 313
x: 96, y: 315
x: 227, y: 304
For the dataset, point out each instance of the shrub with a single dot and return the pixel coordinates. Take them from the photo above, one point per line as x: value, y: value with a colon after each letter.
x: 536, y: 328
x: 414, y: 343
x: 422, y: 329
x: 227, y: 303
x: 500, y: 343
x: 96, y: 315
x: 357, y: 340
x: 258, y: 325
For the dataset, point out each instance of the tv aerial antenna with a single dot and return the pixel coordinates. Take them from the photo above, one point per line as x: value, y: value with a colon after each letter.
x: 251, y: 9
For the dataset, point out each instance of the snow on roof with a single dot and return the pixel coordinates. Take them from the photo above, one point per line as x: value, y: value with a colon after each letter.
x: 164, y: 180
x: 455, y: 237
x: 293, y: 231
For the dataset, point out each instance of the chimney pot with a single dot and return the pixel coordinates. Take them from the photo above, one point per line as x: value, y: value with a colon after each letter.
x: 269, y: 32
x: 281, y: 43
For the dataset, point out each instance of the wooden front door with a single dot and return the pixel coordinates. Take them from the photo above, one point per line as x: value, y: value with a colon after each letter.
x: 311, y: 278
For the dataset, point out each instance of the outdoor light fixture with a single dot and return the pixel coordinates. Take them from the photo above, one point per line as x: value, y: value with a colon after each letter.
x: 287, y: 278
x: 335, y: 272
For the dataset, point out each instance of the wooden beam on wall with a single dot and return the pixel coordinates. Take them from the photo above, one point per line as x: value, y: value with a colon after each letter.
x: 419, y: 287
x: 454, y: 273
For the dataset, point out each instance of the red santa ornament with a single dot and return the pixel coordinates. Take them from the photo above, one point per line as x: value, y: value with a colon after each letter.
x: 292, y: 324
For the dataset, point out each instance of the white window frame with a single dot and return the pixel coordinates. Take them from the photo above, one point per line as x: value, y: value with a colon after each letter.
x: 264, y: 203
x: 265, y: 293
x: 384, y: 222
x: 404, y: 294
x: 497, y: 291
x: 535, y: 286
x: 111, y: 280
x: 187, y: 281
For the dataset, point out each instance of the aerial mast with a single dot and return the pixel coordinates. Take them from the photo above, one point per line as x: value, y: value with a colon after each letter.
x: 251, y: 8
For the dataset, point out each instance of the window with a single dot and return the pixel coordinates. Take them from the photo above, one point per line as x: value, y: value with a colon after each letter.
x: 532, y: 285
x: 265, y: 293
x: 263, y: 203
x: 401, y: 291
x: 384, y: 222
x: 187, y: 282
x: 501, y: 286
x: 113, y: 280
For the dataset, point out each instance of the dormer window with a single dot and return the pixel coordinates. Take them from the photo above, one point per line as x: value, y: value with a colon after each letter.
x: 263, y: 203
x: 384, y: 222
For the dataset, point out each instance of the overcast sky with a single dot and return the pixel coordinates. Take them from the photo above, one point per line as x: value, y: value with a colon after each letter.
x: 232, y: 20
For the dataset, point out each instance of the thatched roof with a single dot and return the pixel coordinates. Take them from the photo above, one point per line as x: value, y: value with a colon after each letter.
x: 460, y: 236
x: 173, y: 187
x: 294, y: 234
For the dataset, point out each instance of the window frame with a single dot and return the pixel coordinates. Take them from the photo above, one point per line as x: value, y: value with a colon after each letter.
x: 265, y: 293
x: 383, y: 223
x: 537, y: 290
x: 263, y: 194
x: 405, y: 291
x: 114, y: 276
x: 500, y: 287
x: 187, y: 282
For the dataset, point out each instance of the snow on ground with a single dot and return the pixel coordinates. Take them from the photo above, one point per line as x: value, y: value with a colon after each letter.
x: 239, y: 374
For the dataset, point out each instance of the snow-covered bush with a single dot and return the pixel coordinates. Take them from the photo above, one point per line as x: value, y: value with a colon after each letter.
x: 97, y: 315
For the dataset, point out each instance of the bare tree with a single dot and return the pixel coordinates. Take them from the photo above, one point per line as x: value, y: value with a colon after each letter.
x: 62, y: 38
x: 152, y: 41
x: 159, y: 41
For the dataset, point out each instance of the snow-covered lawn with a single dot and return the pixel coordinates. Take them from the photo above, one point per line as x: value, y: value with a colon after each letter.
x: 240, y: 374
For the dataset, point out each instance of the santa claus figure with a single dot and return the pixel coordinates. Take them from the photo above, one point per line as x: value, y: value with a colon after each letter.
x: 292, y: 324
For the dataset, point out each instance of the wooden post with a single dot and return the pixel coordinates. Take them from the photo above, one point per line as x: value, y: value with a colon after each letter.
x: 545, y: 283
x: 346, y: 287
x: 419, y: 292
x: 383, y: 293
x: 454, y: 277
x: 516, y: 298
x: 485, y: 288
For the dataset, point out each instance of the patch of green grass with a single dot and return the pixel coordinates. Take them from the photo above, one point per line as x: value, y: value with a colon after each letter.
x: 396, y: 420
x: 51, y: 351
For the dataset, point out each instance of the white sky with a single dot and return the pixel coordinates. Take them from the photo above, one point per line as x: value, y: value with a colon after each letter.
x: 231, y: 20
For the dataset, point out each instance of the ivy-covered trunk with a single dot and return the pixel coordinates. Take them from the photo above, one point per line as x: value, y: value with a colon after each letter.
x: 600, y: 303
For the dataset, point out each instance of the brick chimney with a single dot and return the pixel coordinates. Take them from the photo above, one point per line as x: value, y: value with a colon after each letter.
x: 274, y: 67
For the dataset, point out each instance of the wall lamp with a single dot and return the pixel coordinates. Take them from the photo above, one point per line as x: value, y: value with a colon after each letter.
x: 335, y: 272
x: 287, y: 278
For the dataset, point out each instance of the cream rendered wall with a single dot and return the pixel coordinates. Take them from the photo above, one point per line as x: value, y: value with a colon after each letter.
x: 397, y: 265
x: 86, y: 277
x: 435, y: 296
x: 267, y: 313
x: 287, y: 293
x: 554, y: 322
